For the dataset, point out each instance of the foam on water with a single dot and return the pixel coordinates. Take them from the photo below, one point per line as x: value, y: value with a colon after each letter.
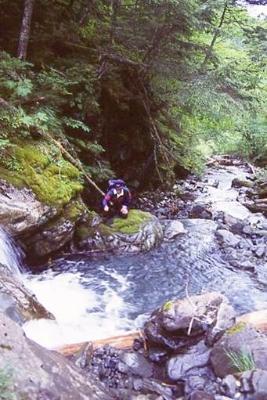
x: 81, y: 312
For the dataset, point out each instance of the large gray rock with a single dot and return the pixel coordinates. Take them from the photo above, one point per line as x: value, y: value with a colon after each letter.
x: 51, y: 238
x: 20, y: 211
x: 173, y: 229
x: 227, y: 238
x: 137, y: 364
x: 196, y: 357
x: 185, y: 321
x: 17, y: 301
x: 254, y: 384
x: 37, y: 373
x: 139, y: 232
x: 240, y: 348
x: 238, y: 183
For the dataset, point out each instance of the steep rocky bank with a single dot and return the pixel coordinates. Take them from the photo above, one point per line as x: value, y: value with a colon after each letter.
x: 191, y: 348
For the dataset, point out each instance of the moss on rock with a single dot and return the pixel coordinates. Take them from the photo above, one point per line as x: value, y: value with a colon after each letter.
x: 74, y: 210
x: 237, y: 328
x: 131, y: 225
x: 41, y: 167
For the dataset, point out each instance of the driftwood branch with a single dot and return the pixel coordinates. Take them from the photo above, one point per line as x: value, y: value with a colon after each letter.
x: 258, y: 319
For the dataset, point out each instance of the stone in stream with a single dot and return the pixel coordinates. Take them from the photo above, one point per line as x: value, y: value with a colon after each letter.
x: 227, y: 238
x: 239, y: 348
x: 200, y: 211
x: 17, y: 301
x: 229, y: 386
x: 260, y: 251
x: 178, y: 367
x: 201, y: 395
x: 141, y: 231
x: 137, y: 364
x: 254, y: 384
x: 181, y: 323
x: 238, y: 183
x: 173, y: 229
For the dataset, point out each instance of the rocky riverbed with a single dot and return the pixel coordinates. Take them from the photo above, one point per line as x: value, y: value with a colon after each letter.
x: 191, y: 347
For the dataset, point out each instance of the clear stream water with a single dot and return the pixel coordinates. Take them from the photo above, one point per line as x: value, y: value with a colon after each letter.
x: 95, y: 299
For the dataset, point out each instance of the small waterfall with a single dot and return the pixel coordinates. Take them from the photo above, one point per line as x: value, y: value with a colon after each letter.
x: 10, y: 254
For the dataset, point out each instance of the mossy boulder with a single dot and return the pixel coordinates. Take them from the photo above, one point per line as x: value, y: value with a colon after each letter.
x: 39, y: 193
x: 40, y: 167
x: 139, y: 232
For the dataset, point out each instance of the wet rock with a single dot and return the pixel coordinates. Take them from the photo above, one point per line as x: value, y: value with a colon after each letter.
x: 200, y: 379
x: 139, y: 232
x: 200, y: 211
x: 183, y: 322
x: 20, y: 211
x: 50, y: 239
x: 229, y: 386
x: 227, y: 238
x: 254, y: 384
x: 17, y: 301
x: 166, y: 391
x: 37, y: 372
x: 242, y: 343
x: 157, y: 355
x: 260, y: 251
x: 137, y: 364
x: 174, y: 228
x: 238, y: 183
x: 200, y: 395
x: 195, y: 357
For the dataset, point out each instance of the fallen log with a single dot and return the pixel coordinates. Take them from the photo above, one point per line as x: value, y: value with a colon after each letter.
x: 258, y: 319
x: 123, y: 342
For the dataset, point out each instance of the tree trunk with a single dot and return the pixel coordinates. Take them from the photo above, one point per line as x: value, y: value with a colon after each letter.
x: 25, y: 29
x: 216, y: 34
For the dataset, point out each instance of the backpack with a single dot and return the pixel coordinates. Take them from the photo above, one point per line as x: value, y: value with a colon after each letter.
x: 113, y: 182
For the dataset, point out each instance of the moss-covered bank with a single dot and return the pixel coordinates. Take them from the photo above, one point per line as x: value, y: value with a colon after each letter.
x: 40, y: 167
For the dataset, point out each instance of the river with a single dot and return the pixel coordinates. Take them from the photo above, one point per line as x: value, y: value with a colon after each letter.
x: 100, y: 298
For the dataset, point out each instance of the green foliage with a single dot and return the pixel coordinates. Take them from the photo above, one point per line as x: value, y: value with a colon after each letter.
x: 135, y: 87
x: 41, y: 168
x: 241, y: 361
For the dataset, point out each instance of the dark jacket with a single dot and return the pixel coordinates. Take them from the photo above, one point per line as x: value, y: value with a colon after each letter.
x: 112, y: 199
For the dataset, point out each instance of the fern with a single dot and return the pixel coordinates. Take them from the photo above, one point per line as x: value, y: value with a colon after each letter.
x: 75, y: 124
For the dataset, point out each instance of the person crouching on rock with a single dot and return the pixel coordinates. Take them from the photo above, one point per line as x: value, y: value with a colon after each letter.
x: 117, y: 199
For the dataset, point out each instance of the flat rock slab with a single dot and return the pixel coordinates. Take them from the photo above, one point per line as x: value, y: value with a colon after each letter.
x: 35, y: 371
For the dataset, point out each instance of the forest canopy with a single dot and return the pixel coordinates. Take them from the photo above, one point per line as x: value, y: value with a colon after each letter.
x: 141, y: 89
